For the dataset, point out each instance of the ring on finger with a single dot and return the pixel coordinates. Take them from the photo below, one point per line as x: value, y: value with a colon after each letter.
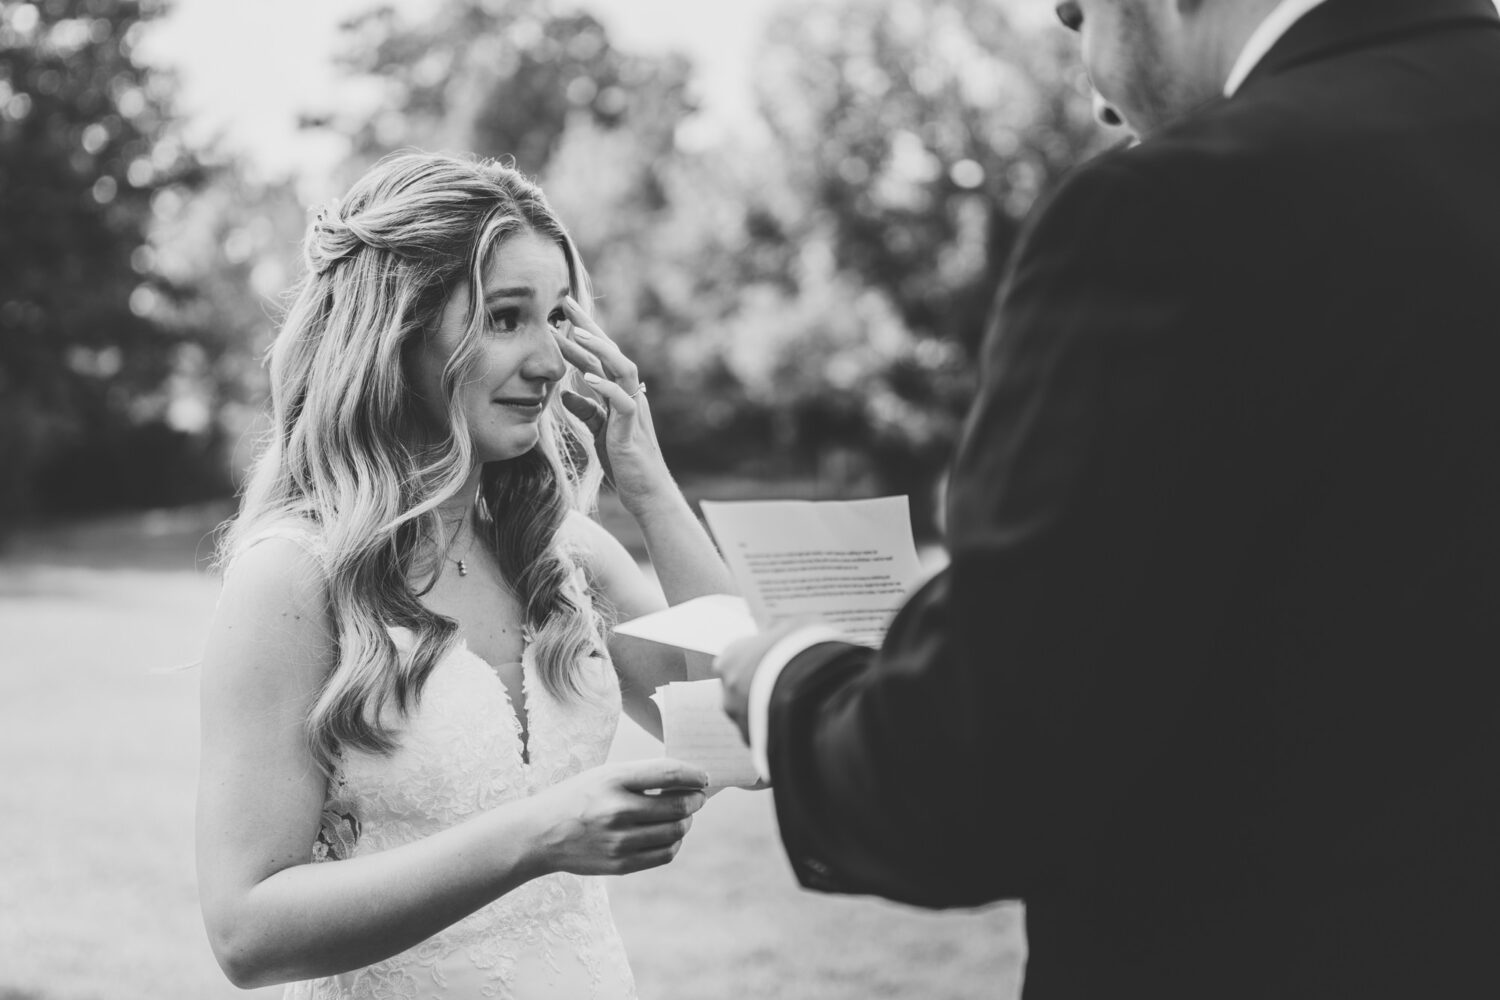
x: 640, y: 391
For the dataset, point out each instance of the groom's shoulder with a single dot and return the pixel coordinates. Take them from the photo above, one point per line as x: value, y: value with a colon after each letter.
x: 1171, y: 189
x: 1339, y: 113
x: 1154, y: 208
x: 1248, y: 160
x: 1245, y: 144
x: 1285, y: 133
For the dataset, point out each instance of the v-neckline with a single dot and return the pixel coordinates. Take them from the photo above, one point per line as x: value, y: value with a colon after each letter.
x: 522, y: 729
x: 520, y: 714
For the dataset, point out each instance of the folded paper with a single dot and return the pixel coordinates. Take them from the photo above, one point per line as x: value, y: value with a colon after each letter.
x: 703, y: 624
x: 696, y: 730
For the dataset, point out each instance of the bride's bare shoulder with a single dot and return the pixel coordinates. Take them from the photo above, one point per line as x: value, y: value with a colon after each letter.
x: 279, y: 574
x: 599, y: 553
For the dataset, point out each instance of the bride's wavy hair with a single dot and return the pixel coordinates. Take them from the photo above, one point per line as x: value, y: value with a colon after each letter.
x: 352, y: 455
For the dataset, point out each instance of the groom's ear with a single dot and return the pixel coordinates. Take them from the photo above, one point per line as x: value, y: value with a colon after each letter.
x: 1105, y: 113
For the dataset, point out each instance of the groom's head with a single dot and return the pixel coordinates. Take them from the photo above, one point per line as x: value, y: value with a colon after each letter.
x: 1152, y: 61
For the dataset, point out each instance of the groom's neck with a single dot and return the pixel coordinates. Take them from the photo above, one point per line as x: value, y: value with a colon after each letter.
x: 1218, y: 31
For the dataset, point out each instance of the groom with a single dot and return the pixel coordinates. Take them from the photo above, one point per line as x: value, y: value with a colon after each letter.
x: 1212, y: 681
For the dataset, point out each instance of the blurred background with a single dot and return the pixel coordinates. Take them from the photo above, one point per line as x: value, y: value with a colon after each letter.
x: 796, y: 214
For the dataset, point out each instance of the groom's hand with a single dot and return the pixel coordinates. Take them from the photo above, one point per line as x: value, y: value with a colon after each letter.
x: 737, y: 667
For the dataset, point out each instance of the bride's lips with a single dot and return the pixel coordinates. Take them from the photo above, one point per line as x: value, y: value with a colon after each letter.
x: 529, y: 405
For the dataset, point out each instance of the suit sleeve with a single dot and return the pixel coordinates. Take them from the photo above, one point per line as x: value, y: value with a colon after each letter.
x: 1023, y: 691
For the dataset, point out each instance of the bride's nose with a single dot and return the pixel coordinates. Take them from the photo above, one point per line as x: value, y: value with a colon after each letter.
x: 546, y: 361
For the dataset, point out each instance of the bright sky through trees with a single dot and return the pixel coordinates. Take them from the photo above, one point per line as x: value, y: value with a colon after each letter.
x: 248, y: 70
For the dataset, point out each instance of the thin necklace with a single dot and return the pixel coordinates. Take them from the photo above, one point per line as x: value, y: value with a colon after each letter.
x: 462, y: 562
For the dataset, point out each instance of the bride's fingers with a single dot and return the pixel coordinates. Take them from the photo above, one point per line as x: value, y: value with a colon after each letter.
x: 591, y: 413
x: 656, y: 836
x: 588, y: 334
x: 619, y: 400
x: 577, y: 356
x: 580, y: 319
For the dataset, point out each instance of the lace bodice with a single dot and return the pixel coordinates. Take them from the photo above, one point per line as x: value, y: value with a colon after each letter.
x: 460, y: 754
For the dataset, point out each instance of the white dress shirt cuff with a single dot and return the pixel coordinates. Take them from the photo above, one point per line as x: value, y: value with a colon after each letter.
x: 764, y: 681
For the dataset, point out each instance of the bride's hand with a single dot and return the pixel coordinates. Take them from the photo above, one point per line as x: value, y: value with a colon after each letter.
x: 603, y: 822
x: 623, y: 433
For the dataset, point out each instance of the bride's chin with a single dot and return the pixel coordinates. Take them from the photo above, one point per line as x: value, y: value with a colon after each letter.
x: 503, y: 451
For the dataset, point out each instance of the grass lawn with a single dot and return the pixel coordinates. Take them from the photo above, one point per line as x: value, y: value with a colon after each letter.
x: 98, y: 750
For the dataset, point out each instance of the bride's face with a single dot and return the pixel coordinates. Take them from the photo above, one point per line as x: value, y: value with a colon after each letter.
x: 517, y: 363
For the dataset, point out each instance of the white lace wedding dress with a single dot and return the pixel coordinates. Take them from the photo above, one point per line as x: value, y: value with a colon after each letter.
x: 460, y: 754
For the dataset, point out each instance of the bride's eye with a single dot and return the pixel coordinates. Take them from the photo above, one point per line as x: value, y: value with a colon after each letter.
x: 557, y: 318
x: 506, y: 320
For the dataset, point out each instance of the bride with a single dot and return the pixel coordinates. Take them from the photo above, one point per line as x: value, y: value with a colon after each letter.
x: 410, y: 683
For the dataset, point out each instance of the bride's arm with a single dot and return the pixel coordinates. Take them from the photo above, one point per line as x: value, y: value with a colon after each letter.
x: 271, y: 915
x: 686, y: 564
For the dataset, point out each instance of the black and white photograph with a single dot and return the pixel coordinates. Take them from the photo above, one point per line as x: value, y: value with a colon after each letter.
x: 788, y: 499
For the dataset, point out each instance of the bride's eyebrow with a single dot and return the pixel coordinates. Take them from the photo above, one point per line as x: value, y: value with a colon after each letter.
x: 520, y: 292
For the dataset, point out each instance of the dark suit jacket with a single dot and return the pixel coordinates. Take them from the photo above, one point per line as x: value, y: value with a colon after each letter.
x: 1213, y: 679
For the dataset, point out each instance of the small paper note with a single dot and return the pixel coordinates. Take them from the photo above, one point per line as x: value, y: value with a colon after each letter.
x: 703, y: 624
x: 696, y: 730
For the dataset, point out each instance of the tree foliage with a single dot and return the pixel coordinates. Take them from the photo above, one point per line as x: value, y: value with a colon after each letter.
x: 920, y: 133
x: 86, y: 144
x: 915, y: 137
x: 505, y: 78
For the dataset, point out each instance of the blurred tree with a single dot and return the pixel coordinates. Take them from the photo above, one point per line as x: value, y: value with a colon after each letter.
x: 233, y: 248
x: 916, y: 134
x: 86, y: 148
x: 921, y: 131
x: 504, y: 78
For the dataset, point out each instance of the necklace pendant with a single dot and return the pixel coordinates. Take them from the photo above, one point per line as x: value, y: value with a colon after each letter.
x: 463, y: 570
